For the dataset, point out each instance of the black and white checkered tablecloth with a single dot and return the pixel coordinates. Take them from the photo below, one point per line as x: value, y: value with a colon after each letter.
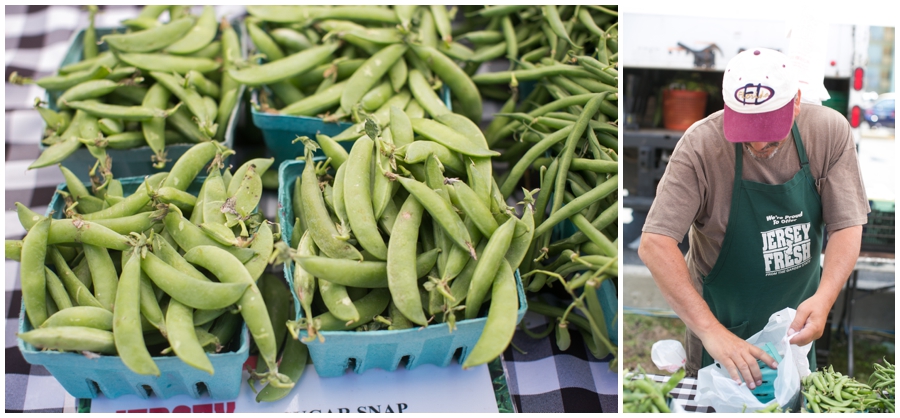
x: 543, y: 380
x: 684, y: 394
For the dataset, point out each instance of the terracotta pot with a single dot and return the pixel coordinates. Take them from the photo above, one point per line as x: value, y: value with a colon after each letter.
x: 681, y: 108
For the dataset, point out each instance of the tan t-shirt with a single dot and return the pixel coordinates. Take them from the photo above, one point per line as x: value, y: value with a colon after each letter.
x: 694, y: 194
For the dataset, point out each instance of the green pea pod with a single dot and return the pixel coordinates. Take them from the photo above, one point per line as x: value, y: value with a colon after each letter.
x: 240, y: 206
x: 441, y: 212
x: 318, y: 221
x: 425, y: 95
x: 151, y: 39
x: 197, y: 294
x: 104, y: 59
x: 154, y: 130
x: 366, y: 274
x: 183, y: 338
x: 229, y: 269
x: 455, y: 78
x: 487, y: 266
x: 190, y: 164
x: 125, y: 321
x: 65, y: 82
x: 397, y: 74
x: 501, y: 319
x: 293, y: 362
x: 285, y: 68
x: 370, y: 305
x: 192, y: 99
x: 319, y: 102
x: 402, y: 279
x: 263, y: 246
x: 338, y: 301
x: 78, y: 292
x: 291, y: 39
x: 279, y: 305
x: 188, y: 236
x: 200, y: 35
x: 368, y: 75
x: 90, y: 89
x: 305, y: 283
x: 72, y: 338
x: 437, y: 132
x: 357, y: 183
x: 86, y: 316
x: 471, y: 204
x: 32, y: 273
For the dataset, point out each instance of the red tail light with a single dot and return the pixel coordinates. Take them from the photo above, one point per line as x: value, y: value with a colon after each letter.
x: 855, y: 116
x: 858, y: 79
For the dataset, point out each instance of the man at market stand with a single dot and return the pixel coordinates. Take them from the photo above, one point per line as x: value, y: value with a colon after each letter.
x: 757, y: 185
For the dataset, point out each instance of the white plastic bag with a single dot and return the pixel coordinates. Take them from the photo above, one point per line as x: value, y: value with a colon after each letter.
x: 668, y: 355
x: 716, y: 388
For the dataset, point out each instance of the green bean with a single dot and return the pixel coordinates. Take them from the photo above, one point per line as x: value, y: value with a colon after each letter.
x: 501, y: 319
x: 71, y: 338
x: 488, y: 265
x: 199, y: 36
x: 357, y: 183
x: 151, y: 39
x: 401, y: 258
x: 366, y: 274
x: 568, y: 152
x: 536, y: 150
x: 578, y: 204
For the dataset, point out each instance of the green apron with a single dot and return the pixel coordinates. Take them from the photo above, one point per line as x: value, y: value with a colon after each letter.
x: 771, y: 251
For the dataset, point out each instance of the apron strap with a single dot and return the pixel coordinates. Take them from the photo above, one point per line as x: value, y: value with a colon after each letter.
x: 738, y: 173
x: 801, y: 151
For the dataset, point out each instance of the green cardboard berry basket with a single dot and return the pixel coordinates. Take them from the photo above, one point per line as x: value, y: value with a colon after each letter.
x: 383, y: 349
x: 88, y: 377
x: 136, y: 161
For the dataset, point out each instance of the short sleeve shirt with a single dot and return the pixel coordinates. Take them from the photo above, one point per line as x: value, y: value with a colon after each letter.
x: 694, y: 194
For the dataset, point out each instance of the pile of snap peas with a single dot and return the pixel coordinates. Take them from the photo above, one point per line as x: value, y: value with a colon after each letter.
x: 828, y: 391
x: 345, y: 62
x: 122, y: 97
x: 642, y: 394
x: 883, y: 381
x: 122, y: 276
x: 385, y: 239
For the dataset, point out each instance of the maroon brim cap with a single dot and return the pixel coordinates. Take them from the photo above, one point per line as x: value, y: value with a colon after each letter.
x: 760, y: 127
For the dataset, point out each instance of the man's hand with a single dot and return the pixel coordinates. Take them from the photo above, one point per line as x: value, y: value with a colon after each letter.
x: 810, y: 320
x: 737, y: 356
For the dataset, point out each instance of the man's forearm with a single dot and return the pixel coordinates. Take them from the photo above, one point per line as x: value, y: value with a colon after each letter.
x: 840, y: 259
x: 661, y: 255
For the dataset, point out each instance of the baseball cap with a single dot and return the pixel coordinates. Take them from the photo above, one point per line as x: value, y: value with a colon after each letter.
x: 759, y: 86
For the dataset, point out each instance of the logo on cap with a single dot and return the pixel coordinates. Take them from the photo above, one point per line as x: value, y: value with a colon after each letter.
x: 753, y: 94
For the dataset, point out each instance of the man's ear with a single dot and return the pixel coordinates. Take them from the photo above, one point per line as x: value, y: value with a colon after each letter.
x: 797, y: 104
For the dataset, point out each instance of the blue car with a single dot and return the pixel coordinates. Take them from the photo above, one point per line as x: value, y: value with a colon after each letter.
x: 882, y: 113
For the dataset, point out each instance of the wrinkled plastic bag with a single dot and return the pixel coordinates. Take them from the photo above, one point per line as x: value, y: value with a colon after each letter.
x: 668, y: 355
x: 716, y: 388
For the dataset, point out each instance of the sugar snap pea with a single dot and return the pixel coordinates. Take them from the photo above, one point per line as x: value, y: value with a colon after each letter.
x: 151, y: 39
x: 367, y: 274
x: 449, y: 138
x: 322, y: 229
x: 285, y: 68
x: 71, y: 338
x: 200, y: 35
x: 488, y: 265
x: 501, y: 319
x: 125, y: 321
x: 400, y: 261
